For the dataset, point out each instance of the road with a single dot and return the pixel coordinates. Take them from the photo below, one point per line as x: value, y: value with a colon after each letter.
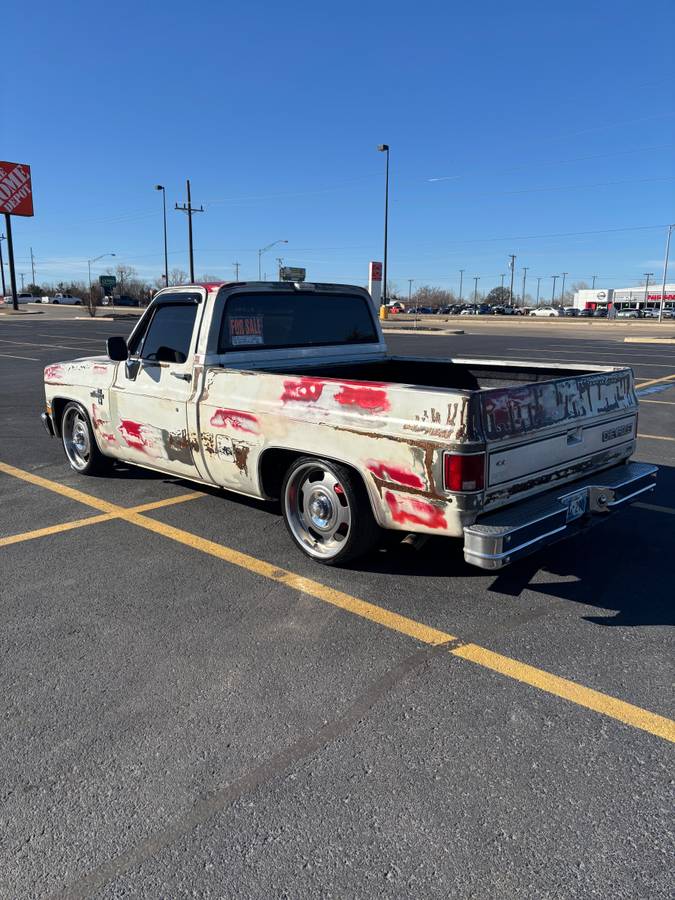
x: 193, y: 709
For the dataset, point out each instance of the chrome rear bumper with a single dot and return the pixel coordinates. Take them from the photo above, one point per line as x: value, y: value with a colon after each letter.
x: 499, y: 538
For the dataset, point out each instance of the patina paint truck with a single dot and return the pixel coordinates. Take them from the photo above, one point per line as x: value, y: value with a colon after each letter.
x: 287, y: 391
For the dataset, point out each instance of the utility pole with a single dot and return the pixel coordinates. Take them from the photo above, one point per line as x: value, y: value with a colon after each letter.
x: 10, y: 255
x: 502, y: 276
x: 525, y: 268
x: 21, y: 276
x: 538, y: 286
x: 32, y: 264
x: 512, y: 266
x: 665, y: 273
x: 593, y: 285
x: 555, y: 278
x: 562, y: 290
x: 2, y: 267
x: 384, y: 148
x: 461, y: 279
x: 648, y: 275
x: 410, y: 281
x: 475, y: 287
x: 190, y: 210
x: 236, y: 271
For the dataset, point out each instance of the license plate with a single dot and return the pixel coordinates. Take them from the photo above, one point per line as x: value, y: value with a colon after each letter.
x: 577, y: 505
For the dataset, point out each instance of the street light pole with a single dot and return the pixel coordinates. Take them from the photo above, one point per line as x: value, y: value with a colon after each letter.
x: 461, y: 279
x: 538, y: 286
x: 665, y: 273
x: 648, y: 275
x: 512, y: 266
x: 502, y: 276
x: 593, y: 285
x: 525, y: 268
x: 410, y: 281
x: 264, y: 250
x: 475, y: 287
x: 160, y: 187
x: 562, y: 289
x: 555, y: 278
x: 384, y: 148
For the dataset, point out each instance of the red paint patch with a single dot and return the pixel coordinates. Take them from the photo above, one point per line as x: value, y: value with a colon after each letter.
x: 416, y: 512
x: 100, y: 369
x: 131, y: 432
x: 53, y: 373
x: 373, y: 399
x: 306, y: 390
x: 239, y: 421
x: 387, y: 472
x: 97, y: 423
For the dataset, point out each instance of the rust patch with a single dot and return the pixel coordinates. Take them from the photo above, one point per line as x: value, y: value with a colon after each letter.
x: 240, y: 452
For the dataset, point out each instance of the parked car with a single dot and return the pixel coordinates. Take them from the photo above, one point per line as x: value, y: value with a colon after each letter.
x: 122, y: 300
x: 586, y: 313
x: 66, y: 299
x: 285, y: 391
x: 469, y: 311
x: 650, y: 313
x: 547, y: 311
x: 571, y: 311
x: 629, y: 313
x: 600, y: 312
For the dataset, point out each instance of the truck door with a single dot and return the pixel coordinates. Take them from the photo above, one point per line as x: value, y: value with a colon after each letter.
x: 150, y: 393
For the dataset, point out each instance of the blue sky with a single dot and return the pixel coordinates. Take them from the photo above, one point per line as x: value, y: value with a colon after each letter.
x: 513, y: 127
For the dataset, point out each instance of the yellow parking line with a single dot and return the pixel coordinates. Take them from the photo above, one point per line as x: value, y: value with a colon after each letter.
x: 655, y: 381
x: 570, y: 690
x: 64, y: 490
x: 54, y: 529
x: 589, y: 698
x: 656, y: 437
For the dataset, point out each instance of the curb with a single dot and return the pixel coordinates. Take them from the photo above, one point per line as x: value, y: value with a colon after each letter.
x: 646, y: 340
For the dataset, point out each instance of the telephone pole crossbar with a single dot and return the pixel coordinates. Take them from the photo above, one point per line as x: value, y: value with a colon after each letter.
x: 190, y: 210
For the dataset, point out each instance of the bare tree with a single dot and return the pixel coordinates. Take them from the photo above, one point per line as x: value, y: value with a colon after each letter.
x: 178, y: 276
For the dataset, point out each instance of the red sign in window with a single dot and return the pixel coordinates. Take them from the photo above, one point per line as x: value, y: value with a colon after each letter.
x: 16, y: 192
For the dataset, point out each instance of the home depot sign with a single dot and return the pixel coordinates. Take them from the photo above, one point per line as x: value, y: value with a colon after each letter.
x: 16, y: 192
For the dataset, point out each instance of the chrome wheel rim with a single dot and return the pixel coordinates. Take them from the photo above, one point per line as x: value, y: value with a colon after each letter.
x: 317, y: 510
x: 76, y: 439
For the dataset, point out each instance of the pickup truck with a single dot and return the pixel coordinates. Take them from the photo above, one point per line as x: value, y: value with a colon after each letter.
x: 287, y: 391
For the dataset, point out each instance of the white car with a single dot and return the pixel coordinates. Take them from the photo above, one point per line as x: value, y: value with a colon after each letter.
x: 629, y: 313
x: 67, y: 299
x: 551, y: 312
x: 469, y: 311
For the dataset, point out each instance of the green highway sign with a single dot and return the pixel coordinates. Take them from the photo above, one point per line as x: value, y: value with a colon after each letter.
x: 107, y: 281
x: 292, y: 273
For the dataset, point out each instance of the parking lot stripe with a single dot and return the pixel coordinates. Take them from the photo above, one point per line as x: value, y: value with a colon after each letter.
x: 667, y: 402
x: 656, y: 437
x: 656, y: 381
x: 93, y: 520
x: 569, y: 690
x: 10, y: 356
x: 656, y: 508
x: 545, y: 681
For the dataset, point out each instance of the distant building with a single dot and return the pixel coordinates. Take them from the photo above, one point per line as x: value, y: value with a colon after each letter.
x: 623, y: 297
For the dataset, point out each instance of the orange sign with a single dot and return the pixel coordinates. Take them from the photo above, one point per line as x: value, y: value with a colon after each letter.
x: 16, y: 192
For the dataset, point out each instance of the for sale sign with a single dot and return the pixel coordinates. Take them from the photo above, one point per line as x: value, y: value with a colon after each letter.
x: 16, y: 193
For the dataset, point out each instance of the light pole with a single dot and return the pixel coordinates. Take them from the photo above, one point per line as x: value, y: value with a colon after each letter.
x: 648, y: 275
x: 264, y: 250
x: 539, y: 277
x: 236, y: 270
x: 160, y: 187
x: 562, y: 289
x: 512, y: 266
x: 593, y: 285
x: 22, y: 275
x: 2, y: 266
x: 555, y: 278
x: 89, y: 262
x: 410, y: 281
x: 525, y: 268
x: 461, y: 280
x: 384, y: 148
x: 475, y: 287
x: 502, y: 276
x: 665, y: 273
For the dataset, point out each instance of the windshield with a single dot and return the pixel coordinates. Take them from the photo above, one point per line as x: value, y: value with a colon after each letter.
x: 253, y: 321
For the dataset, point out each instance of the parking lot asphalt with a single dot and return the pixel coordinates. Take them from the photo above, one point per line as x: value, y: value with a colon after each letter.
x: 191, y: 708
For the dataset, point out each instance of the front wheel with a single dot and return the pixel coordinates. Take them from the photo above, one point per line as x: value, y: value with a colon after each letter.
x: 327, y: 511
x: 79, y: 442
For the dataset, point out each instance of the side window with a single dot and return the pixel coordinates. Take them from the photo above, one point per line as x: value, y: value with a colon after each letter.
x: 169, y: 333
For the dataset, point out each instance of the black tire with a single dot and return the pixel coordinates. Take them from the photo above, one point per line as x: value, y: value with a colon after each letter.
x: 339, y: 499
x: 79, y: 443
x: 56, y: 302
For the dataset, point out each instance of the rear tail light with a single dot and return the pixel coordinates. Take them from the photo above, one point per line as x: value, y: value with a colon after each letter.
x: 464, y: 471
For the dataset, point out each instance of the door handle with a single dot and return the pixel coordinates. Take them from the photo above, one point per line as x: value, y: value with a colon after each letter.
x: 184, y: 376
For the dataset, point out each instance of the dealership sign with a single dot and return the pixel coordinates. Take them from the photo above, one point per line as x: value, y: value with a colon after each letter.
x: 16, y: 193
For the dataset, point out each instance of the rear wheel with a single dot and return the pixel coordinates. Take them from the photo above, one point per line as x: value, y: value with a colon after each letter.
x: 79, y: 442
x: 327, y: 511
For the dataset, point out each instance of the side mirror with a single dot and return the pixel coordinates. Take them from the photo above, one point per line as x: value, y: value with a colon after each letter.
x: 117, y: 349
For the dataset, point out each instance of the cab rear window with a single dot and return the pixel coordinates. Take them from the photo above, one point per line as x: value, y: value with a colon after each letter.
x: 255, y: 321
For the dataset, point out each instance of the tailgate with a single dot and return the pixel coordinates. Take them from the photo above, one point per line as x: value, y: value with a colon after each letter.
x: 555, y: 431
